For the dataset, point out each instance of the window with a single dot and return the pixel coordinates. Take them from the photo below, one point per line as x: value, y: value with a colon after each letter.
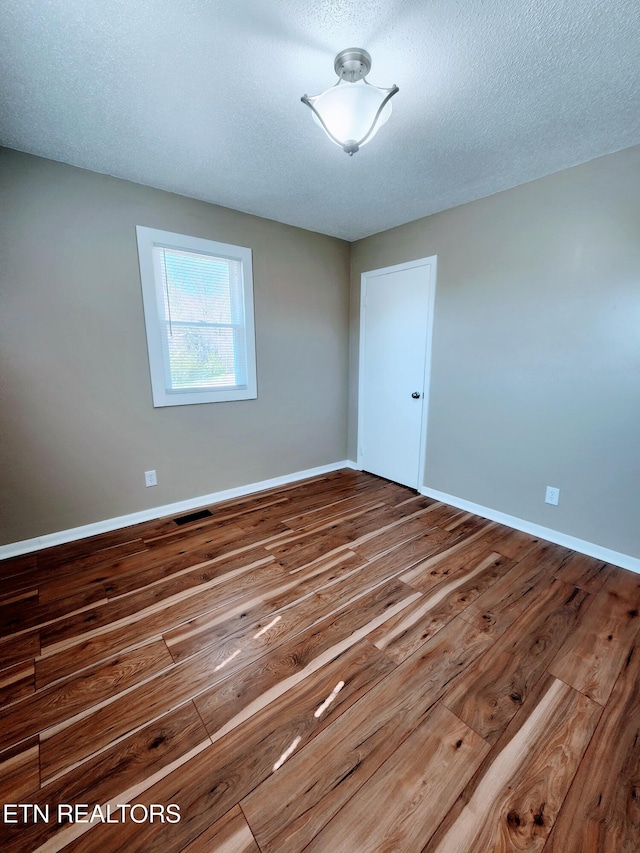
x: 198, y: 310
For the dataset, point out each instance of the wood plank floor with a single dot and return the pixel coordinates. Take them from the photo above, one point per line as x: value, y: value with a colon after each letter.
x: 337, y: 665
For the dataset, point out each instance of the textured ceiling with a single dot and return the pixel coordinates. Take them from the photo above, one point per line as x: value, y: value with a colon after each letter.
x: 202, y: 97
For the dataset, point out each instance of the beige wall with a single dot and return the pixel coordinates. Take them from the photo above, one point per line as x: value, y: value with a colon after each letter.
x: 77, y: 425
x: 536, y: 355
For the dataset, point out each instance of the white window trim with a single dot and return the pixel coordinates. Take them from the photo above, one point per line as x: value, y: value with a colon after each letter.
x: 148, y: 238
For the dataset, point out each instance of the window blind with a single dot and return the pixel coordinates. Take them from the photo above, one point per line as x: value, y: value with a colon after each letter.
x: 202, y: 320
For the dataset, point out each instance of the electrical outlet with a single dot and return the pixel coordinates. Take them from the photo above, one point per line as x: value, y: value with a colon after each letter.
x: 552, y: 496
x: 150, y: 478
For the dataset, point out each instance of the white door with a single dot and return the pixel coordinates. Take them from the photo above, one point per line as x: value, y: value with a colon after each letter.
x: 395, y: 342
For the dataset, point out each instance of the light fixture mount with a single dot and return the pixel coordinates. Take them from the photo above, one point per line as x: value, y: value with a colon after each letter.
x: 352, y: 111
x: 352, y: 64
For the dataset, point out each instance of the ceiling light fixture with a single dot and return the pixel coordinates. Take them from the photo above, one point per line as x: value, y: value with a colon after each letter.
x: 352, y: 111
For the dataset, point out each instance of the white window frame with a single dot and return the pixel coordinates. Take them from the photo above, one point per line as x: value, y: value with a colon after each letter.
x: 152, y: 298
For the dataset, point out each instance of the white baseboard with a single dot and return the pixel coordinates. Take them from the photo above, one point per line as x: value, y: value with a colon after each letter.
x: 625, y: 561
x: 14, y: 549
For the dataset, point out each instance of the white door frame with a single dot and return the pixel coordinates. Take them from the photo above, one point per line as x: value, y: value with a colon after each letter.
x: 431, y: 270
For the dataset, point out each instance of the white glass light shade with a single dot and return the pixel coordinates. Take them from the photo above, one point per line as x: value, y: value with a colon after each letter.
x: 351, y: 113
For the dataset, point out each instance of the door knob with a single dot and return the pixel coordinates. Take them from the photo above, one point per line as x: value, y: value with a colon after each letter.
x: 416, y: 395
